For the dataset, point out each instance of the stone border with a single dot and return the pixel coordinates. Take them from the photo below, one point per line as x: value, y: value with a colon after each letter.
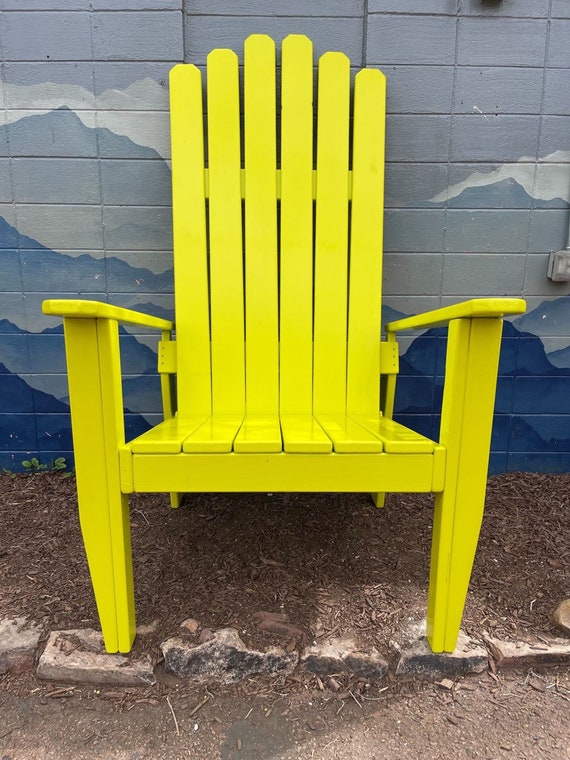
x: 78, y: 656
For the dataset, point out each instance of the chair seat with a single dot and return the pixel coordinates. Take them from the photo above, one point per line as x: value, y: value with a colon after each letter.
x: 294, y: 434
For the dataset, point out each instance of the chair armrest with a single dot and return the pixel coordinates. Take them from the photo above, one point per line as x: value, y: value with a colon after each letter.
x: 475, y: 308
x: 81, y: 309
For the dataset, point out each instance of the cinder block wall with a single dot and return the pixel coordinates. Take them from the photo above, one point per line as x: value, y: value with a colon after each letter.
x: 478, y: 188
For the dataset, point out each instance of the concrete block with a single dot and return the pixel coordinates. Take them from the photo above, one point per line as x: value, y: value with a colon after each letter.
x: 414, y: 230
x: 410, y: 39
x: 419, y: 89
x: 531, y: 8
x: 417, y: 138
x: 223, y: 658
x: 520, y: 654
x: 4, y: 142
x: 542, y: 395
x: 498, y: 90
x: 435, y: 7
x: 19, y: 639
x: 128, y: 86
x: 136, y: 5
x: 61, y: 227
x: 558, y: 48
x: 490, y: 186
x: 478, y: 137
x: 13, y: 347
x: 47, y: 353
x: 487, y: 274
x: 138, y: 228
x: 59, y: 133
x: 39, y: 5
x: 344, y: 34
x: 413, y: 185
x: 323, y: 8
x: 414, y: 274
x: 548, y: 230
x: 148, y: 134
x: 417, y: 658
x: 557, y: 92
x: 344, y: 655
x: 5, y: 181
x: 482, y: 230
x: 58, y: 273
x: 49, y: 84
x: 136, y: 183
x: 501, y: 42
x: 554, y: 143
x: 560, y: 9
x: 79, y: 656
x: 45, y: 35
x: 539, y: 432
x: 10, y: 279
x: 138, y: 36
x: 57, y: 180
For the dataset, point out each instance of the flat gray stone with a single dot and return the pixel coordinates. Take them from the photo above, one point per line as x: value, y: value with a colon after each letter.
x: 79, y: 657
x: 522, y: 654
x: 223, y: 658
x: 417, y: 658
x: 561, y: 616
x: 19, y: 639
x: 344, y: 655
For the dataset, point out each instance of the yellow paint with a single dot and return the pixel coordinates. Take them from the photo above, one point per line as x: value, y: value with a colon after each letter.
x: 278, y: 360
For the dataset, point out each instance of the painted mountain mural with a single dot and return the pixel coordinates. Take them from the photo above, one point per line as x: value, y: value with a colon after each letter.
x: 99, y: 227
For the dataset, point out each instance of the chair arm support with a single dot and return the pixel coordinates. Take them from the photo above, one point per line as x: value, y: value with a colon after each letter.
x: 82, y: 309
x: 478, y: 307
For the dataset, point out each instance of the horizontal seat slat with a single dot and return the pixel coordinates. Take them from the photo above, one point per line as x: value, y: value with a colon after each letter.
x: 348, y: 436
x: 167, y: 437
x: 215, y: 436
x: 395, y: 437
x: 259, y: 435
x: 302, y: 434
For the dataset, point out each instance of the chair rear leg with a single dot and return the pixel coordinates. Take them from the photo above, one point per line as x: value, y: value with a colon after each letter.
x: 467, y: 417
x: 379, y: 499
x: 92, y: 348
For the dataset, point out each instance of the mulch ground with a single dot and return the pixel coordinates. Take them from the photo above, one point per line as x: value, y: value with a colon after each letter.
x: 333, y: 563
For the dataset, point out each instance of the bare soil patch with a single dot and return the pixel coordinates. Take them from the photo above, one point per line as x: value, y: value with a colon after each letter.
x: 335, y: 565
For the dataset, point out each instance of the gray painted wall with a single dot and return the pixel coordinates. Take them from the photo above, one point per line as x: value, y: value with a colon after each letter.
x: 478, y: 178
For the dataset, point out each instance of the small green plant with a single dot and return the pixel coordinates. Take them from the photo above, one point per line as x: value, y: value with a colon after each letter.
x: 33, y: 465
x: 59, y: 464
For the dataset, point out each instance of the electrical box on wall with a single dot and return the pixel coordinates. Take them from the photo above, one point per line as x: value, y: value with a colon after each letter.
x: 559, y: 266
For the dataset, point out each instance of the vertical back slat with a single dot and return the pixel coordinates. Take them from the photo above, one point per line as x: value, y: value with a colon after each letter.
x: 226, y: 249
x: 296, y: 268
x: 364, y: 321
x: 190, y: 247
x: 261, y: 305
x: 331, y: 243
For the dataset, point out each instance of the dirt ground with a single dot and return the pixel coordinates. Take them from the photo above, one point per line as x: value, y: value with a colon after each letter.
x: 335, y: 565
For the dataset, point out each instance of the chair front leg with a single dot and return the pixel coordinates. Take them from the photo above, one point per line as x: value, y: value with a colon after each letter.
x: 467, y: 418
x: 92, y: 350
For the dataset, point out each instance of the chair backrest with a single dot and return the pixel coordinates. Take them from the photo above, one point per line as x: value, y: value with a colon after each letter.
x: 277, y: 232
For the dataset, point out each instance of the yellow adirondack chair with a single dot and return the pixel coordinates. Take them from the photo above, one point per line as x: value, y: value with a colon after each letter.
x: 279, y: 364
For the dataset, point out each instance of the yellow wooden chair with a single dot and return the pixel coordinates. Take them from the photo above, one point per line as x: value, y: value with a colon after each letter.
x: 280, y: 370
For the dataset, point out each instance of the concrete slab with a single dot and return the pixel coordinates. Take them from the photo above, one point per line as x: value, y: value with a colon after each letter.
x: 521, y: 654
x: 224, y: 657
x: 79, y: 656
x: 19, y: 639
x: 344, y: 655
x: 417, y: 658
